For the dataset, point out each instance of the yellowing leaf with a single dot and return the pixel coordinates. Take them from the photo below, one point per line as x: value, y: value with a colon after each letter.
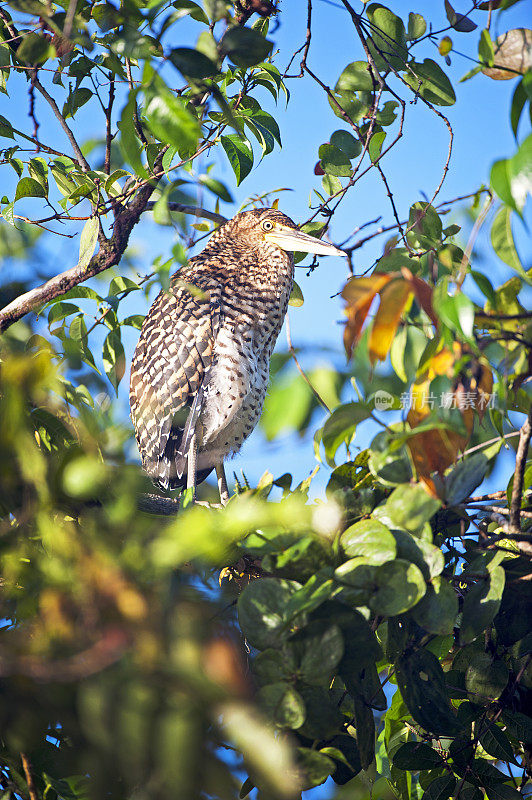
x: 360, y: 293
x: 394, y: 297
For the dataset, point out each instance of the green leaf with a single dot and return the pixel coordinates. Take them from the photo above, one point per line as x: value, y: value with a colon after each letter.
x: 344, y: 750
x: 315, y: 767
x: 460, y: 22
x: 192, y: 63
x: 435, y: 85
x: 114, y: 359
x: 340, y: 427
x: 331, y: 185
x: 320, y: 652
x: 519, y: 725
x: 296, y: 296
x: 442, y: 788
x: 502, y: 791
x: 349, y: 103
x: 456, y: 311
x: 416, y: 756
x: 410, y: 507
x: 500, y: 181
x: 334, y: 161
x: 369, y: 539
x: 283, y: 705
x: 486, y: 50
x: 355, y: 77
x: 345, y: 141
x: 400, y: 586
x: 6, y: 129
x: 422, y: 684
x: 416, y: 26
x: 481, y: 603
x: 495, y: 742
x: 245, y: 46
x: 5, y: 63
x: 387, y: 35
x: 34, y: 49
x: 425, y: 223
x: 29, y: 187
x: 375, y: 145
x: 60, y: 311
x: 519, y: 99
x: 240, y: 155
x: 216, y: 187
x: 485, y: 678
x: 287, y: 406
x: 438, y: 609
x: 75, y: 100
x: 87, y: 241
x: 520, y: 173
x: 168, y: 119
x: 465, y: 477
x: 187, y: 7
x: 129, y: 142
x: 423, y: 554
x: 365, y: 727
x: 262, y: 611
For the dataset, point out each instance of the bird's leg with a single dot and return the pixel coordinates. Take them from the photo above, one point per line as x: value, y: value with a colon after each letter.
x: 191, y: 465
x: 222, y: 483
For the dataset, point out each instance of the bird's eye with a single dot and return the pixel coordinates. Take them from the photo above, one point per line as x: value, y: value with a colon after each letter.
x: 267, y: 225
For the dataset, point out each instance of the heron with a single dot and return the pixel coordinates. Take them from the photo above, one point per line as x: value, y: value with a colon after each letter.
x: 201, y: 366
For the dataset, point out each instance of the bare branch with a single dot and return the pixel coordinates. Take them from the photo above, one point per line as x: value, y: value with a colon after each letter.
x: 304, y: 47
x: 110, y: 253
x: 28, y: 774
x: 157, y: 504
x: 301, y: 371
x: 108, y: 134
x: 520, y: 465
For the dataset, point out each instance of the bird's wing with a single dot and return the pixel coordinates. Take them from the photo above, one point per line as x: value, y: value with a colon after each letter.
x: 174, y: 352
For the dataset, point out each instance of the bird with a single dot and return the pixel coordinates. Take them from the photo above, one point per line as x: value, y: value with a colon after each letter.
x: 200, y: 370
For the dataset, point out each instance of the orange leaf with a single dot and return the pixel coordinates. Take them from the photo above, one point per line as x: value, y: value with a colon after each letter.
x: 393, y: 300
x: 360, y: 293
x: 355, y: 320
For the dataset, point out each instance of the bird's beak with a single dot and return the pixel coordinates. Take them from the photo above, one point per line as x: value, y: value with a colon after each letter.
x: 292, y: 240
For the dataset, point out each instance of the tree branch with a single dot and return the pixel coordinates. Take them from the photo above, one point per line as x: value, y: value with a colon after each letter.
x: 156, y: 504
x: 110, y: 253
x: 26, y: 765
x: 520, y: 465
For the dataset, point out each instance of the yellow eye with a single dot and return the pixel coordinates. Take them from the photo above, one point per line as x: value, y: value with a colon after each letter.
x: 267, y: 225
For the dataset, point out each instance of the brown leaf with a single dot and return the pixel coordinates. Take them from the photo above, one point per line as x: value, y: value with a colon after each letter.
x: 423, y: 293
x: 512, y: 55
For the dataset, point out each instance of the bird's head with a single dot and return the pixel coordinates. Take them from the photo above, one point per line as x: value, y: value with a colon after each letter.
x: 272, y: 226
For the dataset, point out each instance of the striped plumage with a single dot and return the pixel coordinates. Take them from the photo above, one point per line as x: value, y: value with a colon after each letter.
x: 200, y: 369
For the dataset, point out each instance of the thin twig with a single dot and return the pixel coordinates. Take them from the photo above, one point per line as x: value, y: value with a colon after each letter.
x: 108, y: 134
x: 26, y: 765
x: 471, y: 241
x: 304, y: 47
x: 520, y: 466
x: 302, y: 372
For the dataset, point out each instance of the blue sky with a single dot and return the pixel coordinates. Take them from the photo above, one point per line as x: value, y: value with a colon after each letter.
x: 480, y: 120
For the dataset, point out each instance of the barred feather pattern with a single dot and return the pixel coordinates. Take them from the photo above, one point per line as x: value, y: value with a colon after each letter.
x: 204, y: 350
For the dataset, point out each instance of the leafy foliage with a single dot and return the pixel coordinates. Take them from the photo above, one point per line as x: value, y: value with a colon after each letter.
x: 379, y: 637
